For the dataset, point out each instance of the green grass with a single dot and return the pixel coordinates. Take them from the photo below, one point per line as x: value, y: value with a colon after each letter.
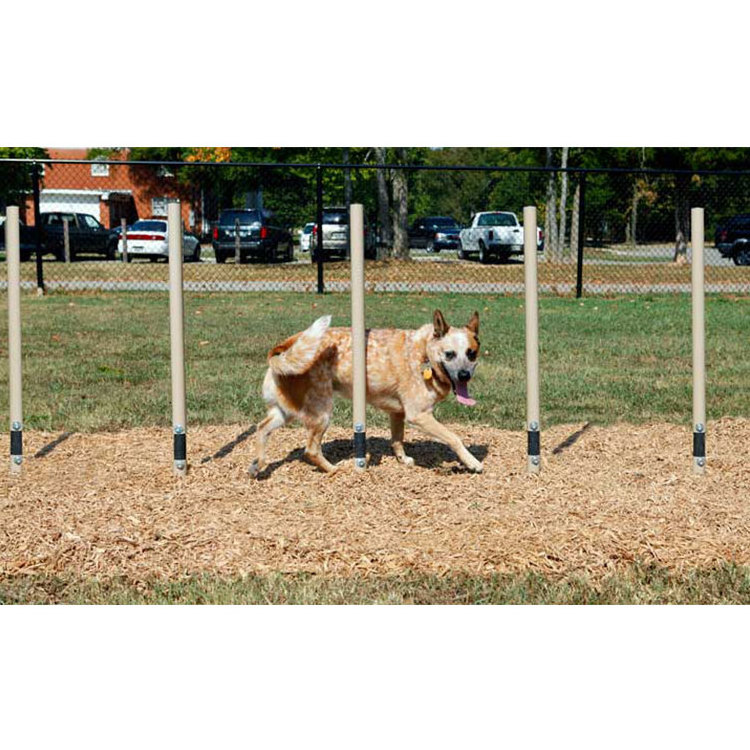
x: 727, y: 584
x: 101, y: 362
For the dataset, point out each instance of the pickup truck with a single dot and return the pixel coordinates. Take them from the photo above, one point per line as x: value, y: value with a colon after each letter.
x: 259, y: 236
x: 85, y: 236
x: 491, y: 234
x: 732, y: 239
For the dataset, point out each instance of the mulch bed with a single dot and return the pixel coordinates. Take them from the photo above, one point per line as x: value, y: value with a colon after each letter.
x: 106, y: 504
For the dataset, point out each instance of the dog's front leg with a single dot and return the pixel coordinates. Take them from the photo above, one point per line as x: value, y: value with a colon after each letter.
x: 427, y: 423
x: 397, y: 439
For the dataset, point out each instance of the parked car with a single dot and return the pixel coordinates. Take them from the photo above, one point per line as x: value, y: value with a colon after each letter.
x: 732, y: 239
x: 149, y: 238
x: 306, y: 237
x: 336, y: 236
x: 434, y: 233
x: 26, y: 239
x: 260, y: 236
x: 85, y: 235
x: 492, y: 234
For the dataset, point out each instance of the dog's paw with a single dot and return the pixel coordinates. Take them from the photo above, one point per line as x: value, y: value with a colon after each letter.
x: 477, y: 467
x: 407, y: 461
x: 254, y: 469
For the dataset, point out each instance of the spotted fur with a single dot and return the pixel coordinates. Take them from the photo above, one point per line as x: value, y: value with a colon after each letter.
x: 306, y: 370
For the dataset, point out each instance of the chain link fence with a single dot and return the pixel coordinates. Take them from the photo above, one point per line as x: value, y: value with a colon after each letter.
x: 283, y: 227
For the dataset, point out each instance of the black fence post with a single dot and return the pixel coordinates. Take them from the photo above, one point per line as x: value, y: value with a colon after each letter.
x: 319, y: 220
x: 37, y: 229
x: 581, y: 234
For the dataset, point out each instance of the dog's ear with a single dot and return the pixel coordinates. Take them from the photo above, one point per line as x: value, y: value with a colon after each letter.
x: 438, y: 321
x: 473, y: 324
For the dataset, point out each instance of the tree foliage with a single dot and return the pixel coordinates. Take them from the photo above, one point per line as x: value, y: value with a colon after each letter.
x: 15, y: 179
x: 617, y: 205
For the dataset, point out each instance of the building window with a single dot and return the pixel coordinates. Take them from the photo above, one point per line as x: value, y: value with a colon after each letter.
x: 159, y: 206
x: 100, y: 170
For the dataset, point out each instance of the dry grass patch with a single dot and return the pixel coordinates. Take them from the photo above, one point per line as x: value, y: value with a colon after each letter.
x: 105, y: 505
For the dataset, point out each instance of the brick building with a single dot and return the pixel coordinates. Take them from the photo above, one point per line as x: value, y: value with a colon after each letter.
x: 111, y: 192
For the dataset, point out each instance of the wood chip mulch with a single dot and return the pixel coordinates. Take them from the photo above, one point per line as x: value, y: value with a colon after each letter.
x: 104, y: 505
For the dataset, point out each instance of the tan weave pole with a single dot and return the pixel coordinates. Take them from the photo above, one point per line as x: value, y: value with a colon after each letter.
x: 532, y: 338
x: 359, y: 374
x: 177, y: 339
x: 13, y: 257
x: 697, y: 235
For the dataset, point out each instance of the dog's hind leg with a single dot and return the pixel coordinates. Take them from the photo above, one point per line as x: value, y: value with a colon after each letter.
x: 397, y: 439
x: 315, y: 430
x: 427, y: 423
x: 274, y: 419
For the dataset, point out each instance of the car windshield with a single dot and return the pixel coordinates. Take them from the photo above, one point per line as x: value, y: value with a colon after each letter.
x: 335, y: 217
x: 307, y: 229
x: 742, y: 223
x: 151, y: 226
x: 244, y: 217
x: 444, y: 222
x: 497, y: 220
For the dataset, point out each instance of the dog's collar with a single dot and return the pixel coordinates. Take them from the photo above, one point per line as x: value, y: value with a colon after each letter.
x: 446, y: 373
x: 440, y: 374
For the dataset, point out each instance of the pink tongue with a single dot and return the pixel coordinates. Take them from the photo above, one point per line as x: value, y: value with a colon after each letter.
x: 462, y: 394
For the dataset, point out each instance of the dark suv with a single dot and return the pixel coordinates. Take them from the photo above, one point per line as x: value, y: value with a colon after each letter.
x: 260, y: 237
x: 434, y: 233
x: 732, y: 239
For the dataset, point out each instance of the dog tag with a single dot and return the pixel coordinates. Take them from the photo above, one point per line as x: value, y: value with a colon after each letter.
x: 427, y: 373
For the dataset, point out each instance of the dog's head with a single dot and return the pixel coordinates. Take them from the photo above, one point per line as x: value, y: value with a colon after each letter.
x: 455, y: 351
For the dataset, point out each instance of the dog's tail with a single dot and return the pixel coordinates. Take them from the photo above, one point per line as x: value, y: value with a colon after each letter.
x: 297, y: 354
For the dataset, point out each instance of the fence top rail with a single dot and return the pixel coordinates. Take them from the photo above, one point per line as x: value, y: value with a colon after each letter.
x: 406, y: 167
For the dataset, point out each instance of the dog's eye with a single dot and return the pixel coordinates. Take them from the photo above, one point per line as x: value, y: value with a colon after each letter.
x: 471, y: 354
x: 450, y: 355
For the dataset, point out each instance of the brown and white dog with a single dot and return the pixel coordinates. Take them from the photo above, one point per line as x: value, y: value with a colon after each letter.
x: 408, y: 373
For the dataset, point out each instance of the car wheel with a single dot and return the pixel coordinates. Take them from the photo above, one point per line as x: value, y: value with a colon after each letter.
x: 220, y: 257
x: 484, y: 256
x: 196, y: 256
x: 742, y: 258
x: 111, y: 251
x: 430, y: 247
x: 460, y: 252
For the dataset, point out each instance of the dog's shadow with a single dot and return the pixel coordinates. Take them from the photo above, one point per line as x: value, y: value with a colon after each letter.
x: 427, y: 454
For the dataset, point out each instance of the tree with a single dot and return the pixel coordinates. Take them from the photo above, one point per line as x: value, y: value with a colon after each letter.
x: 16, y: 179
x: 563, y: 201
x: 550, y: 218
x: 400, y: 208
x: 384, y: 203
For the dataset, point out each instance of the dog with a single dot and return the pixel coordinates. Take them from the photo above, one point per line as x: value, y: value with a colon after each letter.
x: 408, y: 373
